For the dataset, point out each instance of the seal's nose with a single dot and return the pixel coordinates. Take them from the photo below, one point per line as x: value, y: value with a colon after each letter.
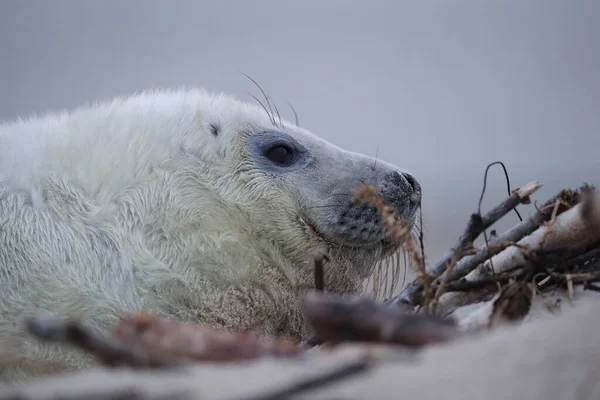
x: 402, y: 190
x: 414, y: 184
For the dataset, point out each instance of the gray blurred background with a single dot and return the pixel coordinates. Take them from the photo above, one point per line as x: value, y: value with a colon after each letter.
x: 441, y: 88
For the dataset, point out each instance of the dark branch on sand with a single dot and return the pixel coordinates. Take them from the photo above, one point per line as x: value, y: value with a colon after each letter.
x: 144, y: 340
x: 358, y: 319
x: 107, y: 350
x: 343, y: 372
x: 503, y: 278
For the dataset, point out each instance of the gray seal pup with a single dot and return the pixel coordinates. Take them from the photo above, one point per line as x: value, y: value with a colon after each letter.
x: 185, y: 203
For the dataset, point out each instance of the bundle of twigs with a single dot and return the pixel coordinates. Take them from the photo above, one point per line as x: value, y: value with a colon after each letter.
x: 559, y: 243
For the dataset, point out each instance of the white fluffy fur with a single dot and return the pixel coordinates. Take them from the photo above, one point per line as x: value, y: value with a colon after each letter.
x: 135, y: 204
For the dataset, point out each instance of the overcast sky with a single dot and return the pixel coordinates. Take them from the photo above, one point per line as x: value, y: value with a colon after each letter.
x: 441, y: 88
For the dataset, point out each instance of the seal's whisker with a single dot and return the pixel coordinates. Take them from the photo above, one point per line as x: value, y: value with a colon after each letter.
x: 321, y: 206
x: 395, y: 272
x: 360, y: 180
x: 385, y: 270
x: 336, y: 252
x: 401, y: 262
x: 264, y: 94
x: 296, y: 121
x: 341, y: 194
x: 264, y: 108
x: 382, y: 283
x: 393, y: 268
x: 278, y: 115
x: 405, y: 262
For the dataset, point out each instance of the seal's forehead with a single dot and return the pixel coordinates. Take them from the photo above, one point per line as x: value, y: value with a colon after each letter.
x: 248, y: 118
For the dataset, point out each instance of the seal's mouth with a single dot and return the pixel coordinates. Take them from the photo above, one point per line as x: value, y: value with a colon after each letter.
x: 386, y: 245
x: 361, y: 253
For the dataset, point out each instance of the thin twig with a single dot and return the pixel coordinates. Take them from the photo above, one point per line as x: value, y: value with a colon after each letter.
x: 343, y: 372
x: 485, y: 185
x: 320, y: 260
x: 483, y: 189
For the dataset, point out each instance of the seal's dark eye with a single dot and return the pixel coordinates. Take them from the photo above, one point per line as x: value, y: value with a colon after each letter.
x: 280, y: 154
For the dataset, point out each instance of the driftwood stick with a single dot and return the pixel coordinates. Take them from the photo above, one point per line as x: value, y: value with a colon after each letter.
x: 512, y: 303
x: 502, y: 278
x: 593, y: 254
x: 143, y: 340
x: 360, y: 319
x: 342, y: 372
x: 580, y: 277
x: 477, y: 224
x: 109, y: 351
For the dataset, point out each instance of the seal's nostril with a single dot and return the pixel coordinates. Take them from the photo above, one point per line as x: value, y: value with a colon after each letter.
x: 411, y: 181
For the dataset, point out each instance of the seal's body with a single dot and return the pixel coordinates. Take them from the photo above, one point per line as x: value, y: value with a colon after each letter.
x: 191, y: 205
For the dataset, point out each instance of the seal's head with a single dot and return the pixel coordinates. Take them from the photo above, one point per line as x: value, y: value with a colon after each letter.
x: 297, y: 190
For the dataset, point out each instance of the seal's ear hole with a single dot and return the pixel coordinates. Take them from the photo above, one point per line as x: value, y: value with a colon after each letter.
x: 280, y: 154
x: 215, y: 129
